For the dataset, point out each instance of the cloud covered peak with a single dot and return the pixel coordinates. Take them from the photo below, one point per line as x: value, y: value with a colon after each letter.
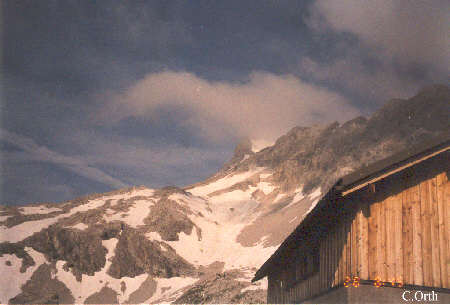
x: 263, y: 107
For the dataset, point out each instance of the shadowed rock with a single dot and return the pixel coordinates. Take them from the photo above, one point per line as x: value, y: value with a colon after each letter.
x: 42, y: 289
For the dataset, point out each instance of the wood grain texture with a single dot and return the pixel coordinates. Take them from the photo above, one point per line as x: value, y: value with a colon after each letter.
x: 398, y: 240
x: 435, y: 252
x: 443, y: 232
x: 425, y: 216
x: 417, y: 235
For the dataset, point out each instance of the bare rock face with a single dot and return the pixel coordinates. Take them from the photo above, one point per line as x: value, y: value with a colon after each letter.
x: 135, y: 255
x: 43, y: 289
x: 82, y: 250
x: 105, y: 296
x: 243, y: 149
x: 168, y: 218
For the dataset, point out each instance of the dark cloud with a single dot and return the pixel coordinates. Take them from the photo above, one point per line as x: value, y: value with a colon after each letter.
x: 80, y: 81
x: 397, y: 46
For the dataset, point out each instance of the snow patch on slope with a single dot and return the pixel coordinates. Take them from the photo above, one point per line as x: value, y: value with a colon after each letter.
x: 258, y: 145
x: 312, y: 196
x: 298, y: 196
x: 266, y: 187
x: 223, y: 183
x: 153, y: 236
x: 316, y: 193
x: 80, y: 226
x: 38, y: 210
x: 212, y: 247
x: 135, y: 215
x: 12, y: 279
x: 245, y: 158
x: 133, y: 193
x: 28, y: 228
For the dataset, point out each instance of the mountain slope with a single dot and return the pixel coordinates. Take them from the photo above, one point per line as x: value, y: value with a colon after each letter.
x: 204, y: 242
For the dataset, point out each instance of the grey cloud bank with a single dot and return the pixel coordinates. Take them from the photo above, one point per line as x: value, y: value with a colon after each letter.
x: 97, y: 95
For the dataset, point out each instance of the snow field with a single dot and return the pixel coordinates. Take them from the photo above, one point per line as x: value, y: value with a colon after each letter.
x: 213, y: 247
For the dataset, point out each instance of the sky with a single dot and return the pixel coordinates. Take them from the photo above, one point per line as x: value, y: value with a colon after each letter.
x: 101, y: 95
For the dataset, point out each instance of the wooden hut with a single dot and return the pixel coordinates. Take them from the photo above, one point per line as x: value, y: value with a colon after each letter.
x: 378, y: 232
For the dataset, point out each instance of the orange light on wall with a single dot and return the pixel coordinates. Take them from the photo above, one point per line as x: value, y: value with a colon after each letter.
x: 378, y: 283
x: 355, y: 281
x: 348, y: 282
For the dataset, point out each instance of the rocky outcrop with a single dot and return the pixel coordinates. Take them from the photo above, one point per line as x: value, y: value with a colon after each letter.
x: 135, y: 255
x: 43, y: 289
x: 82, y: 250
x: 169, y: 218
x: 105, y: 296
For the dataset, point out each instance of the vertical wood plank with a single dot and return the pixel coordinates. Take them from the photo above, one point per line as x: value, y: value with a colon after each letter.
x: 381, y: 241
x: 417, y: 235
x: 398, y: 247
x: 344, y: 241
x: 373, y: 274
x: 355, y: 245
x: 364, y: 242
x: 350, y: 247
x: 407, y: 237
x: 389, y: 236
x: 443, y: 233
x: 446, y: 198
x: 434, y: 220
x: 425, y: 218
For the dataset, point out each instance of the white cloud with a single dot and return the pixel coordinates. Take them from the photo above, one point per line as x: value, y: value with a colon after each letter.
x: 35, y: 152
x: 264, y: 107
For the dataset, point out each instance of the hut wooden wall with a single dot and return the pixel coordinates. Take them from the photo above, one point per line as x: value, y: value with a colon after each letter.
x: 397, y: 232
x: 406, y: 237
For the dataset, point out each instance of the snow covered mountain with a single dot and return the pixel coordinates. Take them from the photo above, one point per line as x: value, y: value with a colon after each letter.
x: 201, y: 243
